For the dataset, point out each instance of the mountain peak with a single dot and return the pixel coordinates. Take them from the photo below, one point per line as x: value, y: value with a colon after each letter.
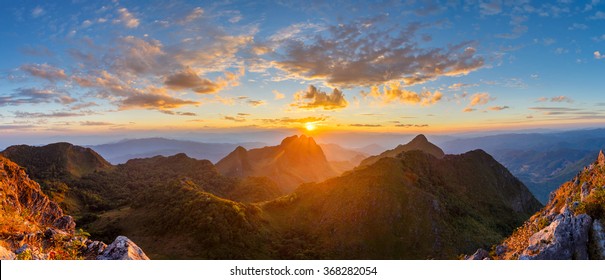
x: 601, y: 158
x: 419, y: 139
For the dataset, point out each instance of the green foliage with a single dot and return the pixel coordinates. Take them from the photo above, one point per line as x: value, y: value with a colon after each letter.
x: 594, y: 205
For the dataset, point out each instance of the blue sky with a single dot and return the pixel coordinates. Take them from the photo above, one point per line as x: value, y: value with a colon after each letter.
x: 90, y: 67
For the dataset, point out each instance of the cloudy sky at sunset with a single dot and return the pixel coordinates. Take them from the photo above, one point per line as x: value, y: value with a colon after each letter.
x: 78, y: 67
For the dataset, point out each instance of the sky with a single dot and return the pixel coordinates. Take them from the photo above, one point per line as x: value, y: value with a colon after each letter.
x: 78, y: 67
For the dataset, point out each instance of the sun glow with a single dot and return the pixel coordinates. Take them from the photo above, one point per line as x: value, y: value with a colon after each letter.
x: 310, y: 126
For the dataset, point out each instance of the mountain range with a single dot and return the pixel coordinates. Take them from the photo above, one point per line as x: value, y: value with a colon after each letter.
x: 294, y: 161
x: 543, y: 161
x: 412, y: 205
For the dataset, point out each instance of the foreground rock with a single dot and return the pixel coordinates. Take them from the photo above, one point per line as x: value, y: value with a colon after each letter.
x: 122, y: 249
x: 569, y: 227
x: 34, y: 227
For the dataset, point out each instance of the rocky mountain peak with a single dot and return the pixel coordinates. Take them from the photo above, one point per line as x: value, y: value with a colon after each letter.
x: 601, y: 158
x: 419, y: 139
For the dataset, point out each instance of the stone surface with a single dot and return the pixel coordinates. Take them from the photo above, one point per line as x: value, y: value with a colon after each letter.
x: 65, y: 223
x: 480, y: 254
x: 597, y: 240
x: 122, y: 249
x: 565, y: 238
x: 6, y: 254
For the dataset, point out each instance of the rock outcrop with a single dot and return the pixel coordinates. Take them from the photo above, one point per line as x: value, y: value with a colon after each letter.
x: 564, y: 239
x: 34, y: 227
x: 569, y: 226
x: 122, y: 249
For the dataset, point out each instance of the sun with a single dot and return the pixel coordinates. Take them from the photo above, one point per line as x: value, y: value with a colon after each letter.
x: 310, y: 126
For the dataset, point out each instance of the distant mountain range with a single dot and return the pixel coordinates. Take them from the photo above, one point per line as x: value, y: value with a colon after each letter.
x: 543, y: 161
x: 271, y: 202
x: 122, y: 151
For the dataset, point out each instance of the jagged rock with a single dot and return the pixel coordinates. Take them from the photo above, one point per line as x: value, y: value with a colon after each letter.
x: 65, y: 223
x: 481, y: 254
x: 122, y: 249
x: 601, y: 158
x: 21, y: 249
x: 6, y: 254
x: 597, y: 239
x: 501, y: 249
x: 584, y: 191
x: 54, y: 234
x: 565, y: 238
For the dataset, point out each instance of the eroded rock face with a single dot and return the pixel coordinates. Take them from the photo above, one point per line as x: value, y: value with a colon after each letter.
x: 564, y: 239
x: 39, y: 229
x: 597, y: 236
x: 122, y: 249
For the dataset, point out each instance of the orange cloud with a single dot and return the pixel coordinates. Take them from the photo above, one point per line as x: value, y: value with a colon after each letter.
x: 313, y: 98
x: 393, y: 92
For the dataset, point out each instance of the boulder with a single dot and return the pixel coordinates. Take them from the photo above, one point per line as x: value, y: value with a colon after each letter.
x: 65, y: 223
x: 566, y: 238
x: 122, y: 249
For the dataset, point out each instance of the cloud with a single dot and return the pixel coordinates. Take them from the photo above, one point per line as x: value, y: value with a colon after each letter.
x: 411, y: 125
x: 189, y: 79
x: 20, y: 114
x: 598, y: 15
x: 16, y: 127
x: 313, y: 98
x: 598, y: 55
x: 44, y: 71
x: 498, y: 108
x: 235, y: 119
x: 493, y: 7
x: 278, y: 95
x: 287, y: 120
x: 153, y: 101
x: 83, y: 105
x: 37, y: 12
x: 195, y: 14
x: 458, y: 86
x: 393, y: 92
x: 126, y: 18
x: 578, y: 26
x: 363, y: 54
x: 256, y: 103
x: 365, y: 125
x: 479, y: 99
x: 168, y: 112
x: 556, y: 99
x: 35, y: 96
x: 91, y: 123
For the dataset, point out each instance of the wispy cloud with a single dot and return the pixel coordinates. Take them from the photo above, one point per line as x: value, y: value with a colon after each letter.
x: 44, y: 71
x: 126, y: 18
x: 278, y: 95
x: 476, y: 100
x: 560, y: 98
x: 598, y: 55
x: 365, y: 125
x: 498, y: 108
x: 36, y: 96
